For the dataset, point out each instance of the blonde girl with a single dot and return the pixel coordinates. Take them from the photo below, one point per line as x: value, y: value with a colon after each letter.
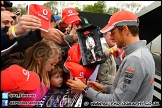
x: 42, y: 58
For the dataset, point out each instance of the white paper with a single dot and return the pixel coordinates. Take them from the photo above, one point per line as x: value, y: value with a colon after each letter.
x: 94, y: 74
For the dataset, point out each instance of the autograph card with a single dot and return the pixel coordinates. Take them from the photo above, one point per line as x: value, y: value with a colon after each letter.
x: 41, y: 12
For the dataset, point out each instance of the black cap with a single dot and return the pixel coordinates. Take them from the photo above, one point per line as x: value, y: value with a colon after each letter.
x: 84, y: 21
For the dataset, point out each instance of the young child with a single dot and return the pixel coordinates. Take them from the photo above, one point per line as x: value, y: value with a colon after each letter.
x: 56, y: 78
x: 41, y: 58
x: 54, y: 95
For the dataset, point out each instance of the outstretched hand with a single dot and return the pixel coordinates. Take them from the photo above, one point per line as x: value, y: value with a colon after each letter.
x: 53, y: 34
x: 97, y: 86
x: 27, y: 22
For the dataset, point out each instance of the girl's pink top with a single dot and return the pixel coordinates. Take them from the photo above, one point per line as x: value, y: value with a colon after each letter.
x: 36, y: 96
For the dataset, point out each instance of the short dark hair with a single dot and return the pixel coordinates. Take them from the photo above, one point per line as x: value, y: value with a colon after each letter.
x: 133, y: 29
x: 52, y: 18
x: 9, y: 9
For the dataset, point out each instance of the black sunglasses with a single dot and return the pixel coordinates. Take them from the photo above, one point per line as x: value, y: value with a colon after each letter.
x: 13, y: 17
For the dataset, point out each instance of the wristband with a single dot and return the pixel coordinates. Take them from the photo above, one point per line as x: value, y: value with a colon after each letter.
x: 112, y: 50
x: 13, y: 32
x: 84, y: 92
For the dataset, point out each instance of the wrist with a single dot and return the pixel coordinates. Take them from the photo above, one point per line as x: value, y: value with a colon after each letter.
x: 104, y: 88
x: 18, y: 32
x: 112, y: 50
x: 9, y: 33
x: 13, y: 32
x: 84, y: 91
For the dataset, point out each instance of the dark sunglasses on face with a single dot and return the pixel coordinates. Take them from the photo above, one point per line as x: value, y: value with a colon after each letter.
x: 13, y: 17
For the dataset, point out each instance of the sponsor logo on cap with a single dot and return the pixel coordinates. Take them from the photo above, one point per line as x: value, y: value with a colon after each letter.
x: 82, y: 74
x: 25, y: 72
x: 71, y: 13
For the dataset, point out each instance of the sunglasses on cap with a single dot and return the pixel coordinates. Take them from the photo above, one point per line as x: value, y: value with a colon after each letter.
x: 13, y: 17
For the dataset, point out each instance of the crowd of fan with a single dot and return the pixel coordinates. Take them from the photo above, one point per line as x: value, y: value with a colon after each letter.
x: 32, y: 60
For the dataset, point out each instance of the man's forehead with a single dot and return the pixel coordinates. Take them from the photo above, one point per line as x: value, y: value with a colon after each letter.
x: 6, y: 21
x: 7, y: 18
x: 5, y: 14
x: 114, y: 29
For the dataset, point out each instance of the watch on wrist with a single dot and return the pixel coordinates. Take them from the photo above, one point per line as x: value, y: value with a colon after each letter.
x: 84, y: 92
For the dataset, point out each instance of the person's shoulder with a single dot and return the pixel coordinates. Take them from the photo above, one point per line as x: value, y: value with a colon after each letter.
x: 105, y: 46
x: 5, y: 28
x: 35, y: 91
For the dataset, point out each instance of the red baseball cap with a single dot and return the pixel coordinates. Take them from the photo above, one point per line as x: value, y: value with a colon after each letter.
x: 120, y: 18
x: 76, y: 70
x: 41, y: 12
x: 15, y: 78
x: 70, y: 15
x: 74, y: 54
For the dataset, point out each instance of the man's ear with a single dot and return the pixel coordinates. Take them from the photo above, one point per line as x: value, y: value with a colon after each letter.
x: 39, y: 60
x: 125, y: 30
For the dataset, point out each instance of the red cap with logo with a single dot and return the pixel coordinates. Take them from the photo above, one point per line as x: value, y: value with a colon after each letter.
x: 15, y: 78
x: 76, y: 70
x: 41, y: 12
x: 70, y: 15
x: 74, y: 54
x: 73, y: 64
x: 120, y: 18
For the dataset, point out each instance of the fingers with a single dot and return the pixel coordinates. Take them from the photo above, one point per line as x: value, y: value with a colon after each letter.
x: 31, y: 19
x: 59, y: 36
x: 56, y: 38
x: 74, y: 26
x: 53, y: 35
x: 29, y: 25
x: 70, y: 83
x: 97, y: 81
x: 90, y: 82
x: 27, y: 22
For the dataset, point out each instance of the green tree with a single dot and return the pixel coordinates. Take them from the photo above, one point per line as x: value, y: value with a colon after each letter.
x: 58, y: 6
x: 98, y: 7
x: 23, y: 10
x: 78, y: 9
x: 52, y: 5
x: 112, y: 10
x: 88, y: 8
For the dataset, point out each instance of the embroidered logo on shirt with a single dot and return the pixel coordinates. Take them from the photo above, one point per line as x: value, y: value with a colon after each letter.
x: 129, y: 75
x: 127, y: 81
x: 152, y: 80
x: 129, y: 69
